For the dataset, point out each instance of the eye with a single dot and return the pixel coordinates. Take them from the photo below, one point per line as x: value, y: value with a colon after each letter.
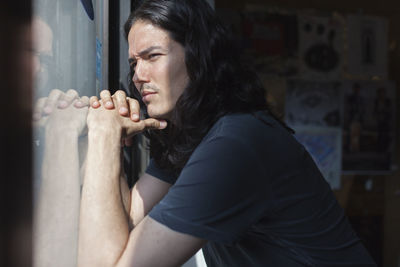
x: 154, y: 56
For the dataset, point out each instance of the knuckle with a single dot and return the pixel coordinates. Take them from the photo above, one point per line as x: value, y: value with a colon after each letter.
x: 55, y: 91
x: 133, y: 102
x: 142, y: 125
x: 120, y: 93
x: 152, y: 124
x: 54, y: 94
x: 41, y: 101
x: 85, y: 100
x: 71, y: 94
x: 104, y: 94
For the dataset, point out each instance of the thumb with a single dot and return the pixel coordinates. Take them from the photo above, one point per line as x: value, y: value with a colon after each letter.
x: 154, y: 124
x: 133, y: 128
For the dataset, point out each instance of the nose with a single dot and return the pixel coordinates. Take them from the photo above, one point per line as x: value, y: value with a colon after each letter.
x: 141, y: 74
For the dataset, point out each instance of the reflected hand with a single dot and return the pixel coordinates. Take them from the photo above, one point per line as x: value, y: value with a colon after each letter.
x: 56, y: 111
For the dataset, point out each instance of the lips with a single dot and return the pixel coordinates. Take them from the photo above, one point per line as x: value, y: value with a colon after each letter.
x: 146, y: 95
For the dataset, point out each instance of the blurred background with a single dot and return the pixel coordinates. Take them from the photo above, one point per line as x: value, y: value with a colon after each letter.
x: 330, y: 69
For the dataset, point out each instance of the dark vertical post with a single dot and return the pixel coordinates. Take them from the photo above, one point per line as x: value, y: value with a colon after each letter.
x: 15, y: 134
x: 113, y: 72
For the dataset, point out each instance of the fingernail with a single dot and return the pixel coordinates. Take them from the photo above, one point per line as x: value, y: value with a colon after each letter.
x: 163, y: 124
x: 135, y: 116
x: 47, y: 109
x: 78, y: 104
x: 62, y: 104
x: 109, y: 104
x: 96, y: 104
x: 123, y: 110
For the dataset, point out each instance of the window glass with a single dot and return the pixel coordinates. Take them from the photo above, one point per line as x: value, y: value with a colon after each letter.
x: 65, y: 47
x: 64, y: 57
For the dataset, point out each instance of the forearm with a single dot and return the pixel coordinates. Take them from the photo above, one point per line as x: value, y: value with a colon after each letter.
x: 57, y: 210
x: 104, y: 228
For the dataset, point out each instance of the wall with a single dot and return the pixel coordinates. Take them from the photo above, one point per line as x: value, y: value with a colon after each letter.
x: 383, y: 201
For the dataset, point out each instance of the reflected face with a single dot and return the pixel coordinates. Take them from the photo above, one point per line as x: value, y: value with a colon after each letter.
x: 159, y: 67
x: 42, y: 43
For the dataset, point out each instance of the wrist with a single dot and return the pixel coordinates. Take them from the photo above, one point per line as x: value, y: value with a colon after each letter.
x: 100, y: 132
x: 61, y: 132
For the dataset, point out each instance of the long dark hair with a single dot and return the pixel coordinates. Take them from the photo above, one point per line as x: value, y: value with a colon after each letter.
x: 218, y: 83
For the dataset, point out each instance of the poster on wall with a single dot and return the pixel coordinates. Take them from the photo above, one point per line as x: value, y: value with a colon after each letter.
x: 325, y: 146
x: 311, y: 103
x: 368, y: 126
x: 367, y: 46
x: 270, y: 41
x: 320, y: 47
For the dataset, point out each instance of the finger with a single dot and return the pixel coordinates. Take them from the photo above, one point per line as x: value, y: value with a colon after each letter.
x: 82, y: 102
x: 148, y: 124
x: 106, y: 99
x: 38, y: 109
x: 153, y: 124
x: 94, y: 102
x: 120, y: 103
x: 52, y: 100
x: 134, y: 108
x: 67, y: 98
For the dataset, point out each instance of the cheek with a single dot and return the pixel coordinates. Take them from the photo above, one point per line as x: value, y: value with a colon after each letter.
x: 35, y: 65
x: 179, y: 80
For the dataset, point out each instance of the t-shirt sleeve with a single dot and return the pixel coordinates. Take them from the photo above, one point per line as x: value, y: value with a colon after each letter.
x: 219, y: 193
x: 159, y: 173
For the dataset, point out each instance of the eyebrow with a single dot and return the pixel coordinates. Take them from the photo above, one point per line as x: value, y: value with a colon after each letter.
x: 144, y: 52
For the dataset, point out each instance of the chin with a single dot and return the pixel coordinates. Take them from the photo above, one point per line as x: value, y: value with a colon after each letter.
x: 157, y: 115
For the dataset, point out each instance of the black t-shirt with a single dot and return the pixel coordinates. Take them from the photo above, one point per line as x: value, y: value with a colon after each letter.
x: 256, y: 195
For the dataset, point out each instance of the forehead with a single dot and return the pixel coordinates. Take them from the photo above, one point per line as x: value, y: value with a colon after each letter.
x: 42, y: 35
x: 144, y: 34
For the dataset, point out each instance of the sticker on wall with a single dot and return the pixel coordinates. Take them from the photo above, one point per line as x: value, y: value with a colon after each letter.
x: 368, y: 126
x: 367, y: 46
x: 320, y: 47
x: 310, y: 103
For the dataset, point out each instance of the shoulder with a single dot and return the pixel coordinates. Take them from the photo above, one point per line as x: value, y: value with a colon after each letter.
x: 241, y: 124
x: 254, y: 137
x: 249, y: 129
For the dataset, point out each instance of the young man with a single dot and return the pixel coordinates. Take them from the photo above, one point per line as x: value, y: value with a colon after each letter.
x: 225, y: 175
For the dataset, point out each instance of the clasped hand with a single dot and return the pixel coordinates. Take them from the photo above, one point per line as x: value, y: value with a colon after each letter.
x: 120, y: 114
x: 116, y: 113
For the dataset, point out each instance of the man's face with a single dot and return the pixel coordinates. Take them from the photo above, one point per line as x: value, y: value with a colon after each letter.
x: 42, y: 55
x: 159, y: 67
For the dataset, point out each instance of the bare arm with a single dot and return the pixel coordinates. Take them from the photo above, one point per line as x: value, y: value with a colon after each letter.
x: 56, y: 212
x: 146, y: 193
x: 104, y: 224
x: 148, y: 190
x: 105, y: 239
